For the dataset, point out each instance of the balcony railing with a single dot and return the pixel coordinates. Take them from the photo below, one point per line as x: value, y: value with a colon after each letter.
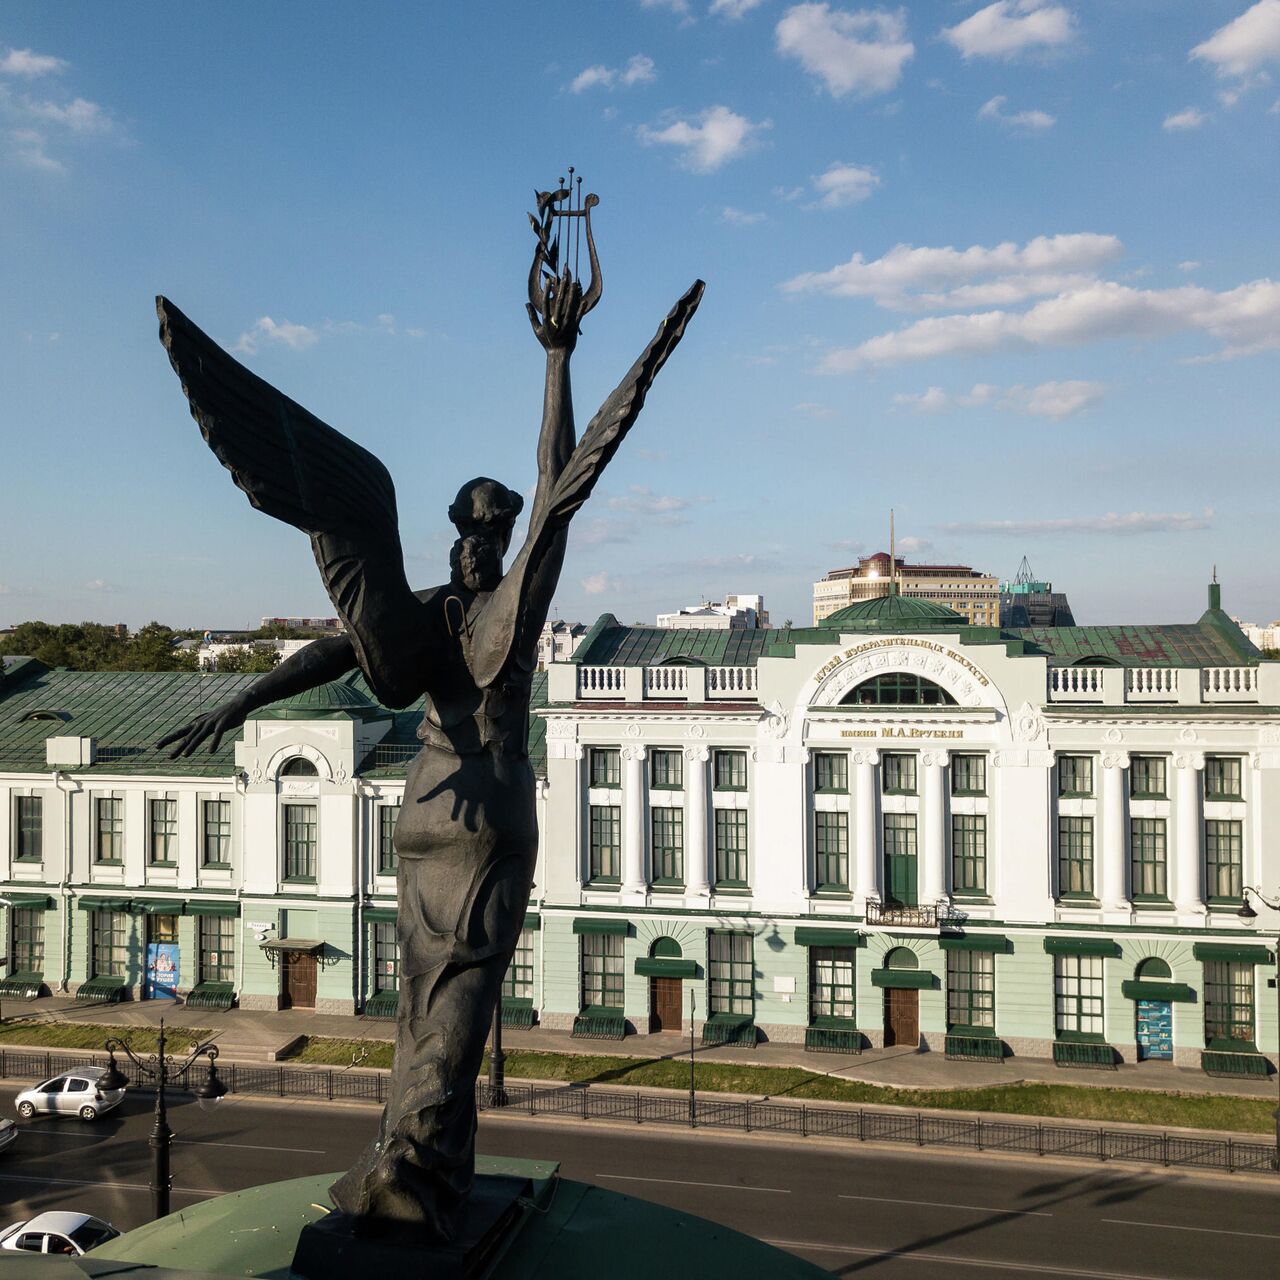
x: 916, y: 917
x: 1115, y: 686
x: 667, y: 684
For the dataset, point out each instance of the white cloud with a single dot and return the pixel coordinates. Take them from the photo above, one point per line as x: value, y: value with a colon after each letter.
x: 1246, y: 42
x: 25, y: 62
x: 1189, y: 265
x: 639, y: 69
x: 844, y: 184
x: 720, y: 135
x: 642, y: 500
x: 592, y: 76
x: 1058, y: 400
x: 678, y: 7
x: 597, y: 584
x: 27, y: 146
x: 993, y: 109
x: 78, y: 116
x: 1191, y: 118
x: 911, y: 545
x: 1010, y: 27
x: 600, y: 532
x: 1128, y: 523
x: 740, y: 217
x: 734, y: 8
x: 861, y: 51
x: 297, y: 336
x: 99, y: 584
x: 1055, y: 400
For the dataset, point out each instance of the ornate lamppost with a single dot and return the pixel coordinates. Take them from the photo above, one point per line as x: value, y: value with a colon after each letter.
x: 1248, y: 915
x: 164, y: 1070
x: 497, y: 1062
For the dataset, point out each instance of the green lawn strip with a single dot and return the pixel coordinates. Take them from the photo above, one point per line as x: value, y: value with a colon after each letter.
x: 87, y: 1035
x: 795, y: 1084
x: 329, y: 1051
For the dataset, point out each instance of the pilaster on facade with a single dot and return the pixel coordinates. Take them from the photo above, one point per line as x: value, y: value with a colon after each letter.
x: 635, y: 882
x: 866, y: 764
x: 698, y: 873
x: 1113, y: 848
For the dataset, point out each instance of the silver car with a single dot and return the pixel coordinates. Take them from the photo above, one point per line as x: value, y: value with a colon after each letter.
x: 8, y: 1134
x: 57, y: 1232
x: 74, y: 1093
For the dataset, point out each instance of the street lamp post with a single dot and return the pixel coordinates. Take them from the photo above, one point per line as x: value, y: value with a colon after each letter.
x: 693, y: 1093
x: 163, y: 1070
x: 6, y: 902
x: 497, y: 1061
x: 1248, y: 914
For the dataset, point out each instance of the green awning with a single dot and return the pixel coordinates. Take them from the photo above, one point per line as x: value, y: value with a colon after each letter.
x: 532, y: 921
x: 1082, y: 947
x: 380, y: 915
x: 1231, y: 951
x: 306, y: 946
x: 105, y: 904
x: 1137, y: 989
x: 813, y: 937
x: 213, y: 908
x: 584, y: 924
x: 158, y: 906
x: 29, y: 901
x: 665, y: 967
x: 974, y: 942
x: 898, y: 979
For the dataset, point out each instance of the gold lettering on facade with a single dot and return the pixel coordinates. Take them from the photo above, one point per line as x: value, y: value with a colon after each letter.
x: 901, y: 642
x: 902, y: 731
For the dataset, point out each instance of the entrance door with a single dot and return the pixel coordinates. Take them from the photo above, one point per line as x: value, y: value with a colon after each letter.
x: 299, y: 980
x: 1155, y: 1029
x: 666, y: 1004
x: 161, y: 978
x: 901, y: 1017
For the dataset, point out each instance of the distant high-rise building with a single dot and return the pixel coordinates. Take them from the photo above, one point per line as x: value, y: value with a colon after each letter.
x: 1029, y: 602
x: 968, y: 591
x: 736, y: 612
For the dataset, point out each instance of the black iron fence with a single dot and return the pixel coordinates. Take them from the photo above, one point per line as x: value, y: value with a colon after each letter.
x: 633, y: 1106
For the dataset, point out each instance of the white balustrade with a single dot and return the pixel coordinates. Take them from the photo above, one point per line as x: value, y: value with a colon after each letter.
x: 1229, y: 684
x: 1075, y: 684
x: 666, y: 682
x: 600, y: 682
x: 731, y: 682
x: 1151, y: 684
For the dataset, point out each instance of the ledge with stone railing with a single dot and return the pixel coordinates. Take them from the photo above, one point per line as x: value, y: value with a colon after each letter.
x: 665, y: 684
x: 1173, y: 686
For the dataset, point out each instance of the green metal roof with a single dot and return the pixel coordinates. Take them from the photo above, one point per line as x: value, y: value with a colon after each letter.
x: 1198, y: 644
x: 337, y: 698
x: 894, y: 613
x: 609, y: 643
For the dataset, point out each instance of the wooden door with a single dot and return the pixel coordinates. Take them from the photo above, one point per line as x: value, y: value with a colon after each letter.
x: 901, y: 1017
x: 666, y: 1004
x: 299, y: 980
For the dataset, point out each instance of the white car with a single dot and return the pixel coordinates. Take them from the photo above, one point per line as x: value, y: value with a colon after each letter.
x: 74, y: 1093
x: 58, y: 1232
x: 8, y: 1133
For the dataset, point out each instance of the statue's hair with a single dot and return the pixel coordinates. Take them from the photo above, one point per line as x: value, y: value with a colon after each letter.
x: 485, y: 502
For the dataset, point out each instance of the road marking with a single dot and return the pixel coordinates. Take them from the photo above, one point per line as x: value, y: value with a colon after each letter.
x: 245, y: 1146
x: 1213, y: 1231
x: 941, y: 1204
x: 114, y: 1186
x: 678, y: 1182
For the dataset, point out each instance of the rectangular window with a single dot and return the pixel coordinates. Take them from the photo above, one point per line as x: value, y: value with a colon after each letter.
x: 899, y: 773
x: 606, y: 853
x: 217, y: 948
x: 163, y: 831
x: 1075, y: 857
x: 601, y: 957
x: 606, y: 767
x: 971, y: 989
x: 518, y: 983
x: 667, y: 844
x: 968, y: 775
x: 27, y: 941
x: 831, y: 984
x: 387, y: 816
x: 109, y: 829
x: 831, y: 850
x: 731, y: 771
x: 666, y: 770
x: 1147, y: 778
x: 1148, y: 872
x: 28, y: 826
x: 900, y: 859
x: 1223, y: 778
x: 1224, y: 860
x: 968, y: 853
x: 1075, y: 775
x: 730, y: 973
x: 299, y: 842
x: 110, y: 957
x: 1228, y: 1001
x: 830, y: 771
x: 1077, y: 984
x: 217, y: 833
x: 386, y: 957
x: 731, y: 846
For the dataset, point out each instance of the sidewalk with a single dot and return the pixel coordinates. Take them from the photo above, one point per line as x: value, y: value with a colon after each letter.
x: 251, y: 1036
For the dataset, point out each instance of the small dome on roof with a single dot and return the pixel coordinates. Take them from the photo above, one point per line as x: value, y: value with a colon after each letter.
x: 335, y: 698
x: 894, y: 613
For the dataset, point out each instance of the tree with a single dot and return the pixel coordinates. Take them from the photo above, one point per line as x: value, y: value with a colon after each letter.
x: 155, y: 648
x: 82, y: 646
x: 255, y: 659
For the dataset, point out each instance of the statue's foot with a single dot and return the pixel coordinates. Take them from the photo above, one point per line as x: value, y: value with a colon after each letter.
x: 384, y: 1194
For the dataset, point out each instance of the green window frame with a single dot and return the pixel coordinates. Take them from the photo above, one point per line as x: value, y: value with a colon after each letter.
x: 216, y: 844
x: 605, y: 850
x: 1223, y: 778
x: 730, y: 771
x: 666, y: 844
x: 732, y: 866
x: 971, y: 989
x: 900, y: 859
x: 666, y: 769
x: 517, y: 982
x: 1078, y: 993
x: 1148, y: 778
x: 300, y: 840
x: 1149, y: 858
x: 604, y: 766
x: 388, y: 815
x: 831, y: 771
x: 831, y: 985
x: 26, y: 940
x: 831, y: 850
x: 969, y: 853
x: 730, y: 973
x: 1224, y: 861
x: 1228, y: 1002
x: 898, y: 773
x: 1075, y: 857
x: 28, y: 824
x: 162, y: 831
x: 109, y: 956
x: 601, y: 970
x: 899, y: 689
x: 1075, y: 775
x: 217, y: 948
x: 968, y: 775
x: 386, y: 957
x: 108, y: 838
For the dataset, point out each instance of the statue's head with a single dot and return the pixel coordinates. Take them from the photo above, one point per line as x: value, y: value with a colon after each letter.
x: 484, y: 513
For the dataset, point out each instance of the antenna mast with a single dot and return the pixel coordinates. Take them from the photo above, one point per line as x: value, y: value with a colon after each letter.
x: 893, y: 562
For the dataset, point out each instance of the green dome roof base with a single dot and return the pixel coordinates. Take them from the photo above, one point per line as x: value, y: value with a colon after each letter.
x: 335, y: 700
x: 894, y: 613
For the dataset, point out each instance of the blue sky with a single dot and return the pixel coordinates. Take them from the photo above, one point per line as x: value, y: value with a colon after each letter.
x: 1010, y: 269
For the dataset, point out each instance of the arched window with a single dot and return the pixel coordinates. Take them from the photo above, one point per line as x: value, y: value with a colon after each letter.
x: 898, y: 689
x: 666, y: 949
x: 1153, y: 967
x: 44, y: 713
x: 299, y: 767
x: 901, y: 958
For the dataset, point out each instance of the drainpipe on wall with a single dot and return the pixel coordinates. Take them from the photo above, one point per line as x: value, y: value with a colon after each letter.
x: 358, y: 869
x: 64, y: 886
x: 238, y: 783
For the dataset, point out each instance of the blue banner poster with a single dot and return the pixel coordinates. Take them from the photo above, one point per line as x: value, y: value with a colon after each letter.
x: 162, y: 970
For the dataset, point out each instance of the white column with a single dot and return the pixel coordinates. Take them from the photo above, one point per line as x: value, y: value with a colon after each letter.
x: 697, y: 883
x: 1113, y: 844
x: 633, y: 876
x: 933, y: 844
x: 864, y: 825
x: 1187, y: 891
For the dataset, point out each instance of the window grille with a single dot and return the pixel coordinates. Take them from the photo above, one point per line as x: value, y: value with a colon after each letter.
x: 731, y: 973
x: 731, y: 846
x: 605, y: 854
x: 1075, y: 857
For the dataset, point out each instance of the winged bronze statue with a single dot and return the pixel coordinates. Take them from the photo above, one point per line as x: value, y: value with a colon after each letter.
x: 467, y: 834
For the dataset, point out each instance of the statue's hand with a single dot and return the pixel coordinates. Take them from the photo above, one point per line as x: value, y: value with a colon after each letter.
x: 557, y: 326
x: 222, y: 720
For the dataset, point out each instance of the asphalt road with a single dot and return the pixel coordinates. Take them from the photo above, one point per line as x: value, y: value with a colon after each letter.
x: 852, y: 1210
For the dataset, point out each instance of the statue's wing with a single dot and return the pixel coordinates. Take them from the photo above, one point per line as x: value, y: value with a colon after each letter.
x: 514, y: 616
x: 300, y: 470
